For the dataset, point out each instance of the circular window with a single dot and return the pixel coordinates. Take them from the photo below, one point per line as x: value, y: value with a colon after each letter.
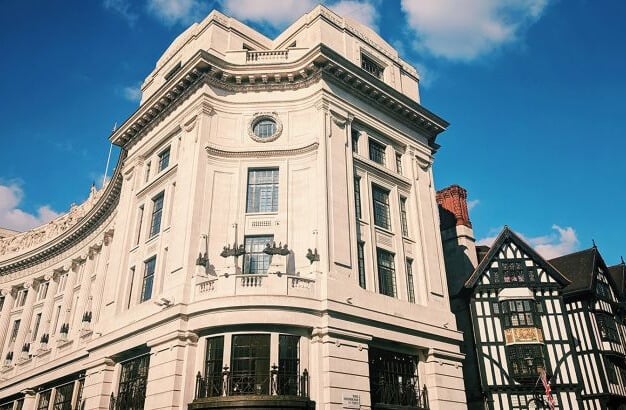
x: 265, y: 127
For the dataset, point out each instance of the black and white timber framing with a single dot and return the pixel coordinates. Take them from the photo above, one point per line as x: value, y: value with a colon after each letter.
x: 596, y: 318
x: 520, y: 329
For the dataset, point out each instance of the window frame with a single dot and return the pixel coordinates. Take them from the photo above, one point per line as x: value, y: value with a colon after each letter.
x: 371, y: 66
x: 246, y: 360
x: 164, y: 159
x: 385, y: 266
x: 377, y: 151
x: 157, y: 214
x: 256, y: 192
x: 149, y: 272
x: 257, y: 256
x: 404, y: 218
x: 410, y: 283
x: 358, y: 209
x: 381, y: 205
x: 360, y: 246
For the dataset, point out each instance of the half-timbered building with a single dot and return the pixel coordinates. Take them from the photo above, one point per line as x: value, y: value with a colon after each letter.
x: 593, y: 303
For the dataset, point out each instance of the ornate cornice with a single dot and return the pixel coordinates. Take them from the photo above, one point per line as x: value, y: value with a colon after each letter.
x: 217, y: 152
x: 93, y: 219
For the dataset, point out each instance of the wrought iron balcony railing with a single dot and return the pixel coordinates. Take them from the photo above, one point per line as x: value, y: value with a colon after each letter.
x: 127, y: 401
x: 273, y: 382
x: 407, y: 394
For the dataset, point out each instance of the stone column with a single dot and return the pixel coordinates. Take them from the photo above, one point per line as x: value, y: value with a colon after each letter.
x: 25, y: 317
x: 48, y: 305
x: 98, y: 384
x: 167, y: 377
x: 84, y: 292
x: 101, y: 271
x: 30, y: 399
x: 443, y: 377
x: 5, y: 317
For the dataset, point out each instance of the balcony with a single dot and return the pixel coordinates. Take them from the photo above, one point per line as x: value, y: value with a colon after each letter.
x: 248, y: 284
x: 249, y: 389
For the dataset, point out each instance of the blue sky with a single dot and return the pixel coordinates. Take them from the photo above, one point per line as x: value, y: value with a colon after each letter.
x: 534, y: 91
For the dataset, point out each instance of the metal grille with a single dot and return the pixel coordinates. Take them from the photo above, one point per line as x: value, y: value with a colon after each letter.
x: 526, y: 361
x: 394, y: 381
x: 213, y: 381
x: 262, y: 190
x: 381, y: 207
x: 250, y: 365
x: 386, y: 273
x: 255, y: 261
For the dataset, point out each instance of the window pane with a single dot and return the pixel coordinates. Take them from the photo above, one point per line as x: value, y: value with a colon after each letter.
x: 157, y: 212
x: 255, y: 261
x: 164, y: 159
x: 357, y: 196
x: 148, y: 279
x: 250, y: 360
x: 361, y: 263
x: 409, y: 280
x: 288, y: 364
x: 262, y: 190
x: 403, y: 217
x: 381, y: 207
x: 386, y: 273
x: 377, y: 152
x: 213, y: 367
x: 133, y: 380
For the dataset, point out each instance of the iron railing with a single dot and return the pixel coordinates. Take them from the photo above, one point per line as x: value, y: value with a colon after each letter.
x: 127, y: 401
x: 273, y: 383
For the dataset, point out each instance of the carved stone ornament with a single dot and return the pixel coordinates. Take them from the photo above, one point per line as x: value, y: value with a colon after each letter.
x: 261, y: 116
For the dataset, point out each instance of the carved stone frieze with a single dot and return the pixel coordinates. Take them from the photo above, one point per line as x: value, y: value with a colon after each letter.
x: 217, y: 152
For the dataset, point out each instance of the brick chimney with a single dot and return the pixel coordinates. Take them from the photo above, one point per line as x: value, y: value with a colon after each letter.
x: 453, y: 206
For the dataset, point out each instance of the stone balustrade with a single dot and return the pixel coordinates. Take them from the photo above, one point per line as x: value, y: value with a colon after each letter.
x: 266, y: 284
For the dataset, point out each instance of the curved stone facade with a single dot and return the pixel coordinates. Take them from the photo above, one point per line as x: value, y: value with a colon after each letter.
x: 221, y: 269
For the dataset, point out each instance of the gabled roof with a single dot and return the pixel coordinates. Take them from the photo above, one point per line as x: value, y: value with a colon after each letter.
x: 506, y: 236
x: 580, y: 268
x: 618, y: 273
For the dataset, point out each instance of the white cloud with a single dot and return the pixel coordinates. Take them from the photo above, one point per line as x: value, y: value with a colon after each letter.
x: 467, y: 29
x: 279, y: 15
x: 472, y: 204
x: 560, y: 242
x: 184, y: 12
x: 12, y: 217
x: 122, y: 7
x: 268, y: 11
x: 361, y: 11
x: 132, y: 93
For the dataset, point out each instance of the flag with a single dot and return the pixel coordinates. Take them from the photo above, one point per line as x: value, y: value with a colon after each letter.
x: 546, y: 386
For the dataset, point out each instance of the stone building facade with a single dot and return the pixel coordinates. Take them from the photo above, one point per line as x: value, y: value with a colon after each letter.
x: 270, y: 238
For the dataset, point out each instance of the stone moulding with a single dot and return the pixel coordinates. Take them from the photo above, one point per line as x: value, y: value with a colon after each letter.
x: 83, y: 228
x: 217, y: 152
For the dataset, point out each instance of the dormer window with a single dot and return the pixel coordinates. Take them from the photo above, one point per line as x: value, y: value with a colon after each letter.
x: 372, y: 67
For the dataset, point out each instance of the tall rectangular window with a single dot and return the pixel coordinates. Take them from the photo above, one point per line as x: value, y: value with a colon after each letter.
x: 403, y: 218
x: 44, y: 400
x: 148, y: 279
x: 250, y: 364
x: 381, y: 207
x: 355, y: 141
x: 36, y: 327
x: 63, y: 397
x: 360, y: 247
x: 377, y: 152
x: 410, y: 287
x: 164, y: 159
x: 62, y: 282
x: 399, y: 163
x: 20, y: 299
x: 255, y: 261
x: 288, y: 364
x: 386, y: 273
x: 132, y: 387
x: 213, y: 367
x: 57, y: 315
x: 157, y: 213
x: 139, y: 224
x: 357, y: 196
x: 262, y: 190
x: 16, y: 329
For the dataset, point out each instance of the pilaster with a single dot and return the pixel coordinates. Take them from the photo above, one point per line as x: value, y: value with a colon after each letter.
x: 443, y: 376
x: 98, y: 384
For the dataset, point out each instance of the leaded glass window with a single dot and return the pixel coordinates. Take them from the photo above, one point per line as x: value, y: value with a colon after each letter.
x: 409, y: 281
x: 63, y: 397
x: 288, y: 364
x: 250, y: 364
x: 525, y: 361
x: 607, y: 327
x: 403, y: 217
x: 213, y: 366
x: 393, y: 379
x: 44, y: 400
x: 255, y: 261
x: 386, y: 273
x: 381, y: 207
x: 133, y: 380
x: 262, y: 190
x: 519, y: 313
x: 357, y: 196
x: 377, y: 152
